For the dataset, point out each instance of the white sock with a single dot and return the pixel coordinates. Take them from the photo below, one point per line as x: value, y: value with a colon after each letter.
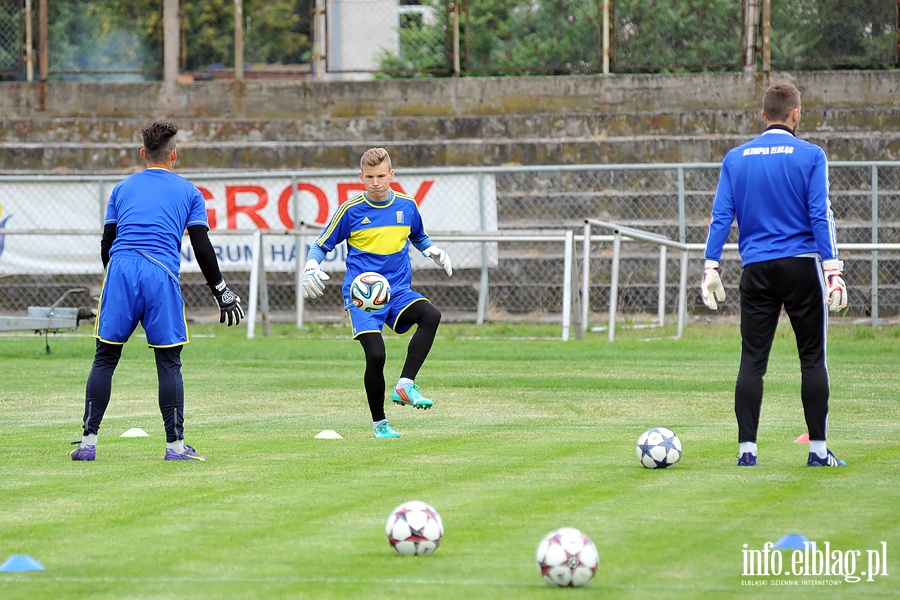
x: 177, y: 446
x: 403, y: 382
x: 375, y: 424
x: 819, y: 447
x: 748, y: 447
x: 89, y: 440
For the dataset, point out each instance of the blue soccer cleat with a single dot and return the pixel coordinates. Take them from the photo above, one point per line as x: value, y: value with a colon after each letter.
x: 830, y: 460
x: 383, y: 431
x: 83, y: 452
x: 747, y: 459
x: 409, y: 395
x: 188, y: 454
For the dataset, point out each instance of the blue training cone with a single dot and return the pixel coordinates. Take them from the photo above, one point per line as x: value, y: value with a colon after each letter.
x: 20, y: 562
x: 792, y: 541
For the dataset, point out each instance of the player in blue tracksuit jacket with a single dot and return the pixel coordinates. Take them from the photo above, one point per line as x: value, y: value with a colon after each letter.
x: 147, y: 215
x: 379, y: 226
x: 776, y: 188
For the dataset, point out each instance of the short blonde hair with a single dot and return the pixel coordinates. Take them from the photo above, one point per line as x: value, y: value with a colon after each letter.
x: 374, y: 157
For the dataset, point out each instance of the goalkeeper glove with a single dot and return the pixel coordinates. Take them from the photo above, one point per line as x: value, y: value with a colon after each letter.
x: 312, y: 280
x: 439, y: 257
x: 230, y: 310
x: 835, y: 288
x: 711, y: 289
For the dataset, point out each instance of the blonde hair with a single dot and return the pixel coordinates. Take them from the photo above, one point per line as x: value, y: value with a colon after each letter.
x: 780, y: 100
x: 374, y: 157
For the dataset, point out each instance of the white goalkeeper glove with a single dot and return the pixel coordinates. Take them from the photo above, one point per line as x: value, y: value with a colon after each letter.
x: 439, y: 257
x: 312, y: 280
x: 711, y: 289
x: 835, y: 288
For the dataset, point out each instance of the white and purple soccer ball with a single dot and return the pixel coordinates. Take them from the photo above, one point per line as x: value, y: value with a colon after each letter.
x: 659, y: 448
x: 414, y: 529
x: 566, y: 557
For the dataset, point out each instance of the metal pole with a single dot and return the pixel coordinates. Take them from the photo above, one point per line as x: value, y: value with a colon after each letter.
x: 606, y: 37
x: 682, y: 294
x: 43, y: 43
x: 29, y: 43
x: 301, y: 255
x: 484, y: 287
x: 170, y: 41
x: 254, y: 284
x: 586, y: 278
x: 682, y: 235
x: 319, y: 35
x: 661, y: 310
x: 239, y: 39
x: 569, y: 249
x: 752, y: 20
x: 767, y: 36
x: 874, y: 241
x: 456, y: 67
x: 614, y: 285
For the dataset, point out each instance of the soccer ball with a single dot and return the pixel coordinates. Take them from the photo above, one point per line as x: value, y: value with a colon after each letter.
x: 414, y: 529
x: 659, y: 448
x: 567, y: 558
x: 370, y: 291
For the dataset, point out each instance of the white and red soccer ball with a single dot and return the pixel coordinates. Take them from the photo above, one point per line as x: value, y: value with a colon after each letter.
x: 414, y: 529
x: 566, y: 557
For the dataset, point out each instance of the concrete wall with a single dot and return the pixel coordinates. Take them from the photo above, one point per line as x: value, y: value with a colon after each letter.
x: 452, y: 97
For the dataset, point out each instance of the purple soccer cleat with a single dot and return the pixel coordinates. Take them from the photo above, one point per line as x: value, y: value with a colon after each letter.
x: 188, y: 454
x: 83, y: 452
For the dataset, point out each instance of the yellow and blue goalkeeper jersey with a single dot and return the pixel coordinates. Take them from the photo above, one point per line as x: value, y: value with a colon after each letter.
x: 378, y: 236
x: 776, y: 186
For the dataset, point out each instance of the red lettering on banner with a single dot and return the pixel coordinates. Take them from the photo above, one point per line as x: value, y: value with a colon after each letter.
x: 420, y: 193
x: 210, y: 212
x: 344, y: 189
x: 285, y: 198
x: 232, y: 208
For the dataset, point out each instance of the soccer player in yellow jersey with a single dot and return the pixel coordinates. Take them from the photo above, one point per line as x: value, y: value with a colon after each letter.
x: 379, y: 225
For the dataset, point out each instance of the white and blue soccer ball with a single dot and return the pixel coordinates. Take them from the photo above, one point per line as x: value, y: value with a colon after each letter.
x: 370, y: 291
x: 414, y: 529
x: 659, y: 448
x: 566, y: 557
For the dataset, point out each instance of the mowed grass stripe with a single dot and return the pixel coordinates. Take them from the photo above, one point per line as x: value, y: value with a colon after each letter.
x: 525, y: 436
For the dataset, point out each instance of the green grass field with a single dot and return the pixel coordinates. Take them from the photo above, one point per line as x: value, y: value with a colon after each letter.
x: 527, y: 434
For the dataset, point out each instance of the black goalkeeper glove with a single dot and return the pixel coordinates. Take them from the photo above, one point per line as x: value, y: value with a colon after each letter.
x: 230, y: 310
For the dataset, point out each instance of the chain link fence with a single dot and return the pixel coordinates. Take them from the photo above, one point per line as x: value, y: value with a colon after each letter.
x: 50, y: 233
x: 122, y: 39
x: 104, y: 40
x: 12, y: 37
x: 834, y: 34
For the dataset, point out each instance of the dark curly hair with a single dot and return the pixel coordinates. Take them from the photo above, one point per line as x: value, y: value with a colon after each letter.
x: 159, y: 140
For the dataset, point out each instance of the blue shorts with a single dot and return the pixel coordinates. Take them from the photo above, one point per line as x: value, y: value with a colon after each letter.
x: 367, y: 322
x: 138, y: 290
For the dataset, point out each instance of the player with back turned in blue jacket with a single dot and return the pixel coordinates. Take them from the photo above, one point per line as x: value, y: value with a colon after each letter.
x: 147, y: 215
x: 776, y: 187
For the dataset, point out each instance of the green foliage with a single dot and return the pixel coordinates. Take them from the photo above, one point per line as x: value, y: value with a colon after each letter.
x: 422, y: 48
x: 833, y: 33
x: 274, y: 33
x: 116, y: 37
x: 697, y: 34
